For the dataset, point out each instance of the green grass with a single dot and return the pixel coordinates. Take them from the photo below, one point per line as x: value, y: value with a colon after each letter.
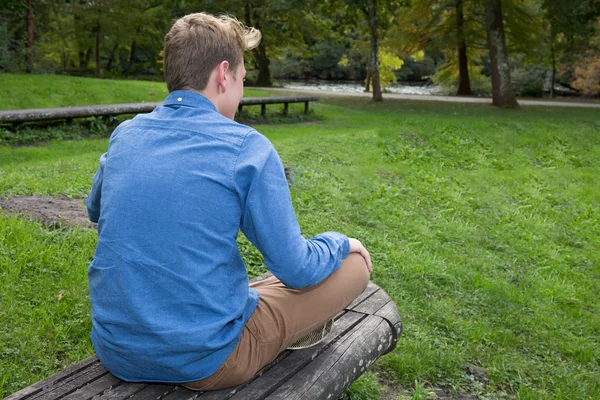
x: 44, y: 91
x: 483, y: 225
x: 41, y: 91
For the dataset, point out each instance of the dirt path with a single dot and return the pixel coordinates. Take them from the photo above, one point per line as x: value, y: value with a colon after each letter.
x: 450, y: 99
x: 52, y: 211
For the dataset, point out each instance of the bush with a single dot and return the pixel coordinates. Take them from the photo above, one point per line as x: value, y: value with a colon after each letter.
x: 10, y: 60
x: 587, y: 76
x: 416, y: 70
x: 529, y: 81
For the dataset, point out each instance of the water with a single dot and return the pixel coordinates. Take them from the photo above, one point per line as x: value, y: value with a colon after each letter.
x: 359, y: 87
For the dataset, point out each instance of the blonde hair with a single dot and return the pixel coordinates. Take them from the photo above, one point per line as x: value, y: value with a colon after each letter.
x: 198, y: 42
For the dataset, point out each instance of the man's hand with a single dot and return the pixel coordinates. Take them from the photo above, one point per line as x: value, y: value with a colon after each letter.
x: 357, y: 247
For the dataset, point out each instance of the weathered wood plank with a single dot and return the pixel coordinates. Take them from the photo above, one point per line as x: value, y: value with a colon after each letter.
x: 274, y: 377
x: 350, y: 355
x: 70, y: 384
x: 390, y: 313
x: 277, y: 99
x: 47, y: 114
x: 61, y: 377
x: 93, y: 387
x: 154, y: 391
x: 122, y: 391
x: 375, y: 302
x: 352, y: 364
x: 368, y: 292
x: 181, y: 393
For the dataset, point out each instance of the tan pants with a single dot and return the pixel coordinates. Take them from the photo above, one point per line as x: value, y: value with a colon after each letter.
x: 283, y: 316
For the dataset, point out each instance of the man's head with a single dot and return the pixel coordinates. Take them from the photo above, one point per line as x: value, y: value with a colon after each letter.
x: 199, y: 43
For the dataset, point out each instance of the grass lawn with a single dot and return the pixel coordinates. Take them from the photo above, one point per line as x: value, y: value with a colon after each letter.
x: 483, y: 224
x: 40, y: 91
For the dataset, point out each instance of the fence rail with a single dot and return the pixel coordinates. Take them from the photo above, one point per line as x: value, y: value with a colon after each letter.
x: 69, y: 113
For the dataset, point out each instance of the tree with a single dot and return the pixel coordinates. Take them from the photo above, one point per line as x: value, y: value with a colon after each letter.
x: 254, y: 18
x: 464, y: 84
x: 285, y: 25
x: 377, y: 97
x: 571, y: 27
x: 450, y: 27
x: 375, y: 16
x: 503, y: 94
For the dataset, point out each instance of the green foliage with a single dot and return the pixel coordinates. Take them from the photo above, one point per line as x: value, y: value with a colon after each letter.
x: 364, y: 388
x: 447, y: 77
x: 420, y: 392
x: 10, y: 61
x: 572, y: 20
x: 529, y: 81
x: 587, y: 76
x: 33, y: 134
x: 389, y: 63
x: 322, y: 62
x: 417, y: 70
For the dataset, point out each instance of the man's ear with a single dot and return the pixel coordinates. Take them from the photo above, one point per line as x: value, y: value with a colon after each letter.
x: 222, y: 69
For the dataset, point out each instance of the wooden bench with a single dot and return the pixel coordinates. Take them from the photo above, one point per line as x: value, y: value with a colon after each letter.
x: 263, y: 101
x: 69, y: 113
x: 364, y: 331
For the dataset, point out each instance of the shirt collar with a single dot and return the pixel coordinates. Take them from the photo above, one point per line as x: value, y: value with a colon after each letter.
x: 189, y: 99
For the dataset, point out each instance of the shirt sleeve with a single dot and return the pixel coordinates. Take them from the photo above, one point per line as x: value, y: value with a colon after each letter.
x: 95, y: 196
x: 269, y: 221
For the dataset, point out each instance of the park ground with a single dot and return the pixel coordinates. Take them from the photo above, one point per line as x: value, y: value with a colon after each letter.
x: 483, y: 224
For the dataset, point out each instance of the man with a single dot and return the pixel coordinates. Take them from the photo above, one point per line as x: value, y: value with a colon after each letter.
x: 169, y: 290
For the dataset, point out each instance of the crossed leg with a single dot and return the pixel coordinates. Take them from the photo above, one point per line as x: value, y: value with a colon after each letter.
x: 282, y: 317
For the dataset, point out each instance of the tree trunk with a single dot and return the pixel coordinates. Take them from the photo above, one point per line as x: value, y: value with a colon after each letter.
x: 553, y: 80
x: 464, y: 84
x: 111, y: 59
x: 374, y: 52
x: 503, y: 94
x: 131, y: 57
x: 29, y: 50
x: 260, y: 53
x: 368, y: 80
x: 98, y: 40
x: 262, y: 62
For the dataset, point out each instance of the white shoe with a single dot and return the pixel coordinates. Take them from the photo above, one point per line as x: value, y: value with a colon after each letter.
x: 312, y: 338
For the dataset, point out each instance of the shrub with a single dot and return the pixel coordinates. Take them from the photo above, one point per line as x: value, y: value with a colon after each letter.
x: 587, y: 76
x: 529, y: 81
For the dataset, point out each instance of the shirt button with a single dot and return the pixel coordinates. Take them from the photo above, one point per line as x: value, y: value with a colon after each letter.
x: 179, y: 99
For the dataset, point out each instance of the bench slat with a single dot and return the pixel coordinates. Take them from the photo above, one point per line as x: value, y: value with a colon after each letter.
x: 376, y: 301
x: 315, y: 381
x: 274, y: 377
x: 57, y: 379
x: 157, y: 391
x: 71, y: 383
x: 94, y: 387
x: 368, y: 292
x: 248, y: 101
x: 351, y: 365
x: 122, y: 391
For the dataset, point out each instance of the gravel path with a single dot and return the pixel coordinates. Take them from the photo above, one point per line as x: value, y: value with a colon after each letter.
x: 451, y: 99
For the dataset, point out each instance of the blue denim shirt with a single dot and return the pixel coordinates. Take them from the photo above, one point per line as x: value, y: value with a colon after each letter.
x: 168, y: 287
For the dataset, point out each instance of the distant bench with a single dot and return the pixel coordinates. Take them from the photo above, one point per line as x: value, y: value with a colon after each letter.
x: 69, y: 113
x: 364, y: 331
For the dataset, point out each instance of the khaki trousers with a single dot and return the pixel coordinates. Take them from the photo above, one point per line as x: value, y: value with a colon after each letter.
x: 283, y: 316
